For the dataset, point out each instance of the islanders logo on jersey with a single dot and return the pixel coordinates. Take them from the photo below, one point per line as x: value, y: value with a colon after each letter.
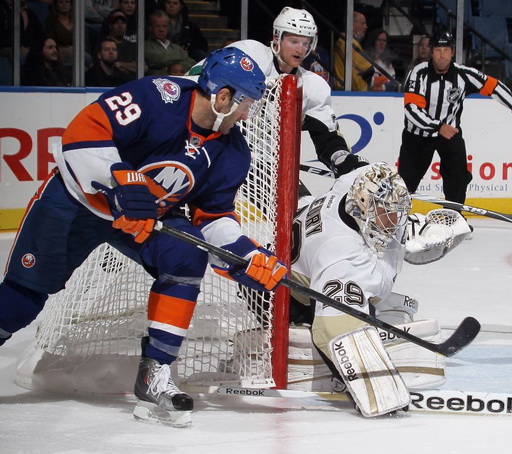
x: 247, y: 64
x: 169, y: 181
x: 28, y: 260
x: 170, y: 91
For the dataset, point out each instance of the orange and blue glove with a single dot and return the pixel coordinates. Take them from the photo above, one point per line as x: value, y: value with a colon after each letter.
x: 132, y: 204
x: 263, y: 272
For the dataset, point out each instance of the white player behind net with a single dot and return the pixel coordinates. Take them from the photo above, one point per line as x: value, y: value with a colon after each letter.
x: 89, y: 334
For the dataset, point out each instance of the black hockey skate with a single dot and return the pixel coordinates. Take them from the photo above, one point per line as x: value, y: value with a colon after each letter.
x: 160, y: 400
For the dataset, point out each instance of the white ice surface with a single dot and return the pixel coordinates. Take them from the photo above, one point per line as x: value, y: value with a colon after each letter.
x: 475, y: 279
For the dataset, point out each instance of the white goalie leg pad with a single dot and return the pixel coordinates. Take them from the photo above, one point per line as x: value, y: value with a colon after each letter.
x: 420, y: 368
x: 371, y: 378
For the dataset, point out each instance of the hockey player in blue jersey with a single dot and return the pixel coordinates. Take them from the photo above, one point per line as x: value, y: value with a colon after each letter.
x: 140, y: 153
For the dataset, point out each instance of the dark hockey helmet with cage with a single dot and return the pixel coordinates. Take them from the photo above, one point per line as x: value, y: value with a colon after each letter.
x: 441, y: 38
x: 230, y: 67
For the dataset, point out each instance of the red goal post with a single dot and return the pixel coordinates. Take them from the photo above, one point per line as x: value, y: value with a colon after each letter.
x: 287, y: 196
x: 89, y: 335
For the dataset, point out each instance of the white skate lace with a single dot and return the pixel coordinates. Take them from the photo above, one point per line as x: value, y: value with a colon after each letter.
x: 162, y: 383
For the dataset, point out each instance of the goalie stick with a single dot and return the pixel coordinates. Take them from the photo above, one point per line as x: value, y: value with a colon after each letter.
x: 462, y: 336
x: 317, y: 171
x: 427, y: 198
x: 463, y: 207
x: 441, y: 401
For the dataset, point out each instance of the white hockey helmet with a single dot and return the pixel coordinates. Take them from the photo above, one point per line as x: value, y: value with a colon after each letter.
x: 379, y: 202
x: 296, y: 21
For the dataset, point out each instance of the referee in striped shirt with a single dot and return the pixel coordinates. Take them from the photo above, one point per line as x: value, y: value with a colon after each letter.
x: 433, y: 99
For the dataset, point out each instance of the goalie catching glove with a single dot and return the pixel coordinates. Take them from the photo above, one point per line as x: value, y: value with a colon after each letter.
x: 131, y: 203
x: 431, y: 237
x: 264, y: 271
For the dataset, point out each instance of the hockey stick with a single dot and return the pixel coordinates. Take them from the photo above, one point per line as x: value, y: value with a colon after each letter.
x: 317, y: 171
x: 427, y: 198
x: 463, y: 335
x: 463, y: 207
x: 423, y: 400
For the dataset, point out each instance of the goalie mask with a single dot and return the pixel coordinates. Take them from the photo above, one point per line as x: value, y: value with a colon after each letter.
x: 296, y: 21
x: 379, y: 202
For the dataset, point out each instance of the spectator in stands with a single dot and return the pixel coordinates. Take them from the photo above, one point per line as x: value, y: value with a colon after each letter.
x: 184, y: 32
x: 104, y: 72
x: 129, y: 8
x: 362, y: 69
x: 377, y: 49
x: 126, y: 51
x: 424, y: 53
x: 159, y: 52
x: 150, y: 6
x: 30, y: 29
x: 176, y: 69
x: 59, y: 26
x: 96, y: 11
x: 43, y: 66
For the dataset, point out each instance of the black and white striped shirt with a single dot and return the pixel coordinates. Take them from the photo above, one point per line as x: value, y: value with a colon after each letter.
x: 433, y: 99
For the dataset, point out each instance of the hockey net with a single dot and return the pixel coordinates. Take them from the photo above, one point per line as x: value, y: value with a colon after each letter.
x: 89, y: 334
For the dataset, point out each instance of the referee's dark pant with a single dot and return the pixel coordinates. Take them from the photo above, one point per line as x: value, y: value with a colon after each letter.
x: 416, y: 154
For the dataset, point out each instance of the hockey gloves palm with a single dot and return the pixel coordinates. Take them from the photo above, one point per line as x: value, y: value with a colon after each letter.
x: 264, y: 271
x: 131, y: 202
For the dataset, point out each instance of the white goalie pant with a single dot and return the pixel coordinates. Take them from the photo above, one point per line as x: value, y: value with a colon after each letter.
x: 368, y: 372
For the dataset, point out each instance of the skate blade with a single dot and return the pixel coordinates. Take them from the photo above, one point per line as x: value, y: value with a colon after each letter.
x: 152, y: 413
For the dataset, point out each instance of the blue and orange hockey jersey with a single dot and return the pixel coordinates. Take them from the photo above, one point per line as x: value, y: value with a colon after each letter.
x: 147, y: 123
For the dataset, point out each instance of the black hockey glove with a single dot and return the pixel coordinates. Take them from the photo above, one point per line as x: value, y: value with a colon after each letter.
x: 343, y: 162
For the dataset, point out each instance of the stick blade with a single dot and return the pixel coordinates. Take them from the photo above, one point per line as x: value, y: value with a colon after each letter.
x: 461, y: 338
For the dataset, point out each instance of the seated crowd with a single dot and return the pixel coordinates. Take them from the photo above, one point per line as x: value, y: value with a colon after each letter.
x: 171, y: 41
x: 172, y: 45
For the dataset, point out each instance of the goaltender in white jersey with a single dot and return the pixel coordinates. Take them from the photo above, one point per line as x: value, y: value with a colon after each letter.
x: 294, y: 36
x: 349, y: 244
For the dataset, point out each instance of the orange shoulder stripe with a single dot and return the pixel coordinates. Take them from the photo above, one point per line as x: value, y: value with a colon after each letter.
x: 414, y: 98
x: 91, y: 124
x: 489, y: 86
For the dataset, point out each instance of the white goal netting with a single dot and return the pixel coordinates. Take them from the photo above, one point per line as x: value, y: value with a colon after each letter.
x: 89, y: 334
